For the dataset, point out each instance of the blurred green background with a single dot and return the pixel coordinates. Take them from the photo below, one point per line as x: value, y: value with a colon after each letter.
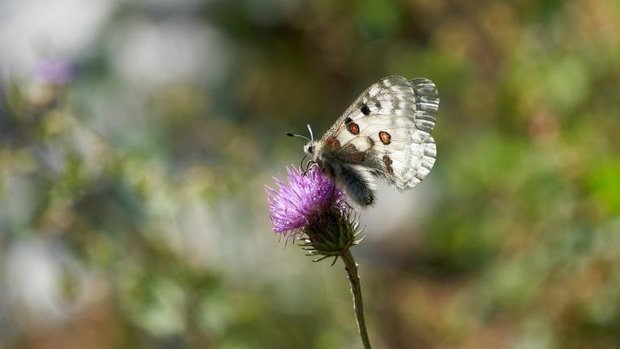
x: 136, y: 138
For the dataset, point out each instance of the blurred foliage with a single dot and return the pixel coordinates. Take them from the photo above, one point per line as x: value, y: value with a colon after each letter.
x: 133, y: 214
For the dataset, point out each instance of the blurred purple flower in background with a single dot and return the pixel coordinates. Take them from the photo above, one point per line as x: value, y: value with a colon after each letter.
x: 299, y: 203
x: 53, y: 71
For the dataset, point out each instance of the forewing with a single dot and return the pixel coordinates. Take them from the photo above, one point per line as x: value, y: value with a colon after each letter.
x: 388, y: 130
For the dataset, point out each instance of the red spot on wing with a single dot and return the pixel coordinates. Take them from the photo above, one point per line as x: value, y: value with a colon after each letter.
x: 351, y: 155
x: 388, y: 164
x: 356, y: 158
x: 332, y: 142
x: 353, y: 128
x: 385, y: 137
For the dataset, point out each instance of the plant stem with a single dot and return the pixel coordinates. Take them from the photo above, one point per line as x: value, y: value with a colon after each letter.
x: 356, y: 290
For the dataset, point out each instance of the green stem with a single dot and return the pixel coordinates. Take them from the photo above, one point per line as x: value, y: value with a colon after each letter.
x: 356, y: 290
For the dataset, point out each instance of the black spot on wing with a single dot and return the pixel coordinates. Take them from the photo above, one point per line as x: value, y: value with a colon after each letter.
x: 365, y: 109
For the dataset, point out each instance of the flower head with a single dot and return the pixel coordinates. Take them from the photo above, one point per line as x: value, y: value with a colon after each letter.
x: 298, y: 203
x: 312, y: 205
x: 53, y: 71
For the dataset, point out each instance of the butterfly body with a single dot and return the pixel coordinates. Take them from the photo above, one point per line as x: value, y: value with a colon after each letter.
x: 384, y: 134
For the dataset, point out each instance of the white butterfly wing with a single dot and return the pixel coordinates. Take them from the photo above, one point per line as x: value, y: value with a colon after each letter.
x: 390, y: 123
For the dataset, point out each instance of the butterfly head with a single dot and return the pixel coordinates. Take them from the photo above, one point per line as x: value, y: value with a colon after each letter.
x: 313, y: 150
x: 310, y: 148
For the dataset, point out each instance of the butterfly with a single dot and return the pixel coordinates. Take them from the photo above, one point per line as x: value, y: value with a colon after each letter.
x: 384, y: 134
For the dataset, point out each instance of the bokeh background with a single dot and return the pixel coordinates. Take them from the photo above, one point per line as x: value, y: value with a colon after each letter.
x: 136, y: 138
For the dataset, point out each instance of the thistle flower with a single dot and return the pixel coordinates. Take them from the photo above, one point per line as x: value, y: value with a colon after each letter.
x: 296, y: 204
x: 312, y: 205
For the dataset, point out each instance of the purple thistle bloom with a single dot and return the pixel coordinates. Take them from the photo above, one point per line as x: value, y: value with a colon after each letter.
x: 312, y: 206
x: 299, y: 203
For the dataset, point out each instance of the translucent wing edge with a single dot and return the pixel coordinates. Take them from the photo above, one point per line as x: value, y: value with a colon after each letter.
x: 427, y: 161
x: 426, y: 104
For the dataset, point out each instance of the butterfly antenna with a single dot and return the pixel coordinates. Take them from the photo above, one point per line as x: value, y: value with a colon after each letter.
x: 311, y: 139
x: 311, y: 135
x: 298, y: 135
